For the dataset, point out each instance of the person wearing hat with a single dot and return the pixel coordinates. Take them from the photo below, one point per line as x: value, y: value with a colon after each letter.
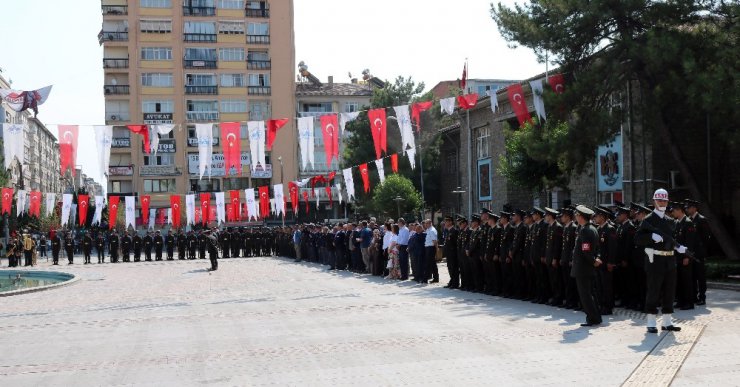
x: 704, y: 242
x: 137, y: 243
x: 224, y: 240
x: 505, y: 262
x: 492, y: 262
x: 626, y: 277
x: 158, y: 245
x: 656, y: 236
x: 474, y: 251
x: 585, y: 263
x: 479, y: 267
x: 449, y: 251
x: 212, y: 247
x: 100, y: 246
x: 538, y: 257
x: 685, y: 235
x: 236, y: 241
x: 570, y: 231
x: 113, y: 244
x: 463, y: 239
x: 147, y: 243
x: 202, y: 244
x: 87, y: 244
x: 182, y: 245
x: 192, y: 244
x: 608, y: 254
x: 126, y: 247
x: 517, y: 254
x: 56, y: 247
x: 553, y: 251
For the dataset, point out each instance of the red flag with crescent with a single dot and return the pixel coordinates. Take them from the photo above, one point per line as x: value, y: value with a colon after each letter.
x: 113, y: 202
x: 234, y: 196
x: 416, y: 109
x: 305, y: 199
x: 68, y: 147
x: 293, y: 191
x: 377, y: 128
x: 365, y: 177
x: 328, y: 193
x: 231, y: 144
x: 330, y: 131
x: 557, y: 83
x: 144, y: 131
x: 175, y: 206
x: 518, y: 103
x: 394, y: 162
x: 205, y: 203
x: 145, y: 199
x: 264, y: 193
x: 34, y: 205
x: 229, y: 212
x: 83, y: 203
x: 272, y: 127
x: 467, y: 101
x: 7, y: 200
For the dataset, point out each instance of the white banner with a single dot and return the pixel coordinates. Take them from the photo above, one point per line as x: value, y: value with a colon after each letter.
x: 13, y: 143
x: 190, y: 208
x: 447, y: 105
x: 50, y: 203
x: 104, y: 141
x: 152, y: 216
x: 66, y: 208
x: 539, y: 102
x: 99, y: 203
x: 251, y: 204
x: 220, y: 208
x: 20, y: 202
x: 411, y: 153
x: 154, y: 132
x: 344, y: 118
x: 305, y: 141
x: 279, y: 199
x: 257, y: 142
x: 218, y: 165
x: 317, y: 193
x: 404, y: 125
x: 349, y: 182
x: 131, y: 211
x: 494, y: 100
x: 338, y: 186
x: 204, y: 134
x: 20, y: 100
x: 381, y: 169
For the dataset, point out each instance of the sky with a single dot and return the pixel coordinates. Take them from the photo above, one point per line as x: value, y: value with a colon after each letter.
x: 53, y: 42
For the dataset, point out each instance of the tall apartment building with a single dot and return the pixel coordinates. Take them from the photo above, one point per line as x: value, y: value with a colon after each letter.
x: 195, y: 61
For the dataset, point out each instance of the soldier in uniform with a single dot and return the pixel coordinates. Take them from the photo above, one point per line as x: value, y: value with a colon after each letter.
x: 585, y: 262
x: 449, y: 249
x: 608, y: 254
x: 202, y: 245
x: 236, y: 240
x: 492, y: 268
x: 530, y: 281
x: 147, y: 242
x: 539, y: 259
x: 69, y: 247
x: 246, y: 242
x: 685, y: 235
x: 192, y: 244
x: 138, y: 243
x: 225, y: 241
x: 702, y: 250
x: 212, y: 247
x: 87, y: 244
x: 626, y: 280
x: 656, y: 236
x: 158, y: 243
x: 553, y: 256
x: 570, y: 231
x: 56, y: 247
x: 113, y: 243
x: 507, y: 238
x: 100, y: 246
x: 126, y: 247
x: 481, y: 264
x: 639, y: 261
x: 517, y: 254
x: 182, y: 245
x: 169, y: 242
x: 463, y: 238
x: 474, y: 251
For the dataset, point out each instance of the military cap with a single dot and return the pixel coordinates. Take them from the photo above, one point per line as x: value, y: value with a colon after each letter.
x: 634, y: 206
x: 623, y: 210
x: 617, y: 203
x: 551, y: 211
x: 643, y: 209
x: 537, y: 210
x: 449, y: 218
x: 521, y: 213
x: 566, y: 210
x: 504, y: 214
x: 462, y: 219
x: 675, y: 205
x: 475, y: 218
x: 485, y: 211
x: 691, y: 203
x: 603, y: 211
x: 585, y: 211
x: 494, y: 216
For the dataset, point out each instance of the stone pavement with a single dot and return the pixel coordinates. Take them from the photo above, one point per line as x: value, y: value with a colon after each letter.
x: 270, y: 321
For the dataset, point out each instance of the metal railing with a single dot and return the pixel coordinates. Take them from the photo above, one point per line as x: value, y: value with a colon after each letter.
x: 198, y: 11
x: 248, y: 12
x: 112, y: 36
x: 199, y: 64
x: 259, y: 64
x: 259, y: 90
x: 258, y: 39
x: 202, y: 116
x: 115, y: 10
x: 116, y: 89
x: 199, y: 37
x: 115, y: 63
x: 207, y: 90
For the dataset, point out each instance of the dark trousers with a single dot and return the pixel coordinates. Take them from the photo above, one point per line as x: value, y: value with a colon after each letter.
x: 685, y: 294
x: 507, y: 276
x: 429, y: 265
x: 478, y: 272
x: 170, y: 254
x: 556, y: 283
x: 661, y: 284
x: 101, y: 255
x: 214, y: 262
x: 605, y: 288
x: 28, y: 255
x: 42, y: 251
x: 531, y: 283
x: 86, y: 254
x: 403, y: 260
x: 453, y: 268
x: 125, y: 255
x: 55, y: 256
x: 158, y: 255
x: 570, y: 288
x: 588, y: 300
x: 700, y: 281
x: 488, y: 273
x: 339, y: 262
x: 518, y: 281
x: 70, y: 256
x: 543, y: 281
x: 466, y: 278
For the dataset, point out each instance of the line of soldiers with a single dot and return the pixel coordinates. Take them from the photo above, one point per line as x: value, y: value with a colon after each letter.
x: 528, y: 255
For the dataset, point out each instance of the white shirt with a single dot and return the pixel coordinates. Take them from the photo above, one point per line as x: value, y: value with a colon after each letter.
x: 431, y: 237
x: 387, y: 239
x: 403, y: 236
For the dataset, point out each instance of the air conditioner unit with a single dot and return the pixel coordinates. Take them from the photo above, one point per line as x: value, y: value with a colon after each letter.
x: 108, y: 90
x: 113, y: 117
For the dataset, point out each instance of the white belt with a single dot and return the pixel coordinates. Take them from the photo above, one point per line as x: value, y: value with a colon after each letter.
x: 664, y: 253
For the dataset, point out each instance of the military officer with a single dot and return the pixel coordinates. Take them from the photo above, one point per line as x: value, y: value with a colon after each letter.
x: 126, y: 247
x: 539, y: 259
x: 585, y: 262
x: 703, y: 245
x: 463, y: 239
x: 625, y: 277
x: 87, y: 244
x: 137, y: 243
x: 202, y: 245
x: 570, y: 231
x: 148, y: 243
x: 474, y: 251
x: 158, y: 243
x: 685, y: 235
x: 212, y: 245
x: 450, y: 252
x: 169, y: 242
x: 182, y: 245
x: 507, y: 238
x: 553, y: 256
x: 236, y: 237
x: 224, y: 239
x: 69, y: 247
x: 56, y: 247
x: 192, y: 244
x: 113, y: 243
x: 608, y: 254
x: 517, y: 254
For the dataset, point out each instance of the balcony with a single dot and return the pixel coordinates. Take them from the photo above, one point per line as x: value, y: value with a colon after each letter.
x: 259, y: 64
x: 198, y: 11
x: 115, y: 10
x: 202, y: 90
x: 256, y: 12
x: 112, y: 36
x: 117, y: 117
x: 116, y: 89
x: 202, y: 116
x: 258, y: 39
x: 115, y: 63
x: 259, y: 90
x: 200, y: 38
x: 199, y: 64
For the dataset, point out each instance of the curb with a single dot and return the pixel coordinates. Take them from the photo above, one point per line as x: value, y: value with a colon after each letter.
x: 74, y: 279
x: 723, y: 286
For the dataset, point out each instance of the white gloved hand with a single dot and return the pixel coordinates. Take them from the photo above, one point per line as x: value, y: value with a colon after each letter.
x: 657, y: 238
x: 681, y: 249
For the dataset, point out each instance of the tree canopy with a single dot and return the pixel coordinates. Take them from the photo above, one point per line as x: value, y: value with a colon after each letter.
x: 395, y: 186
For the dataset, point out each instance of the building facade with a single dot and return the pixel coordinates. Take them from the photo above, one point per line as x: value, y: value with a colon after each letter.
x: 473, y: 85
x: 195, y: 61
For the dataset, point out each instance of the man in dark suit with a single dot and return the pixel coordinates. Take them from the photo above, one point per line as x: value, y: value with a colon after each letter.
x: 585, y: 263
x: 517, y: 255
x: 570, y: 229
x: 553, y: 251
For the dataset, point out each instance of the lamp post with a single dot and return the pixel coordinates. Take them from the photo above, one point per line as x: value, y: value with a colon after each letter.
x: 459, y: 191
x: 398, y: 201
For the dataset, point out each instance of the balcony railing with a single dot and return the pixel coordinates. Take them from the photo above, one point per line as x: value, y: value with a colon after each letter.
x: 200, y: 38
x: 259, y: 90
x: 256, y: 12
x: 199, y: 64
x: 112, y: 36
x: 258, y: 39
x: 207, y: 90
x: 115, y: 63
x: 115, y: 10
x: 314, y: 114
x: 116, y: 89
x: 202, y: 116
x: 259, y: 64
x: 198, y: 11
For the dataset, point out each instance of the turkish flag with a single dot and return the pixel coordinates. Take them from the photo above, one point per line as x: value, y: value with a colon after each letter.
x: 394, y: 162
x: 145, y: 199
x: 315, y: 180
x: 557, y: 83
x: 175, y: 206
x: 68, y: 147
x: 112, y: 210
x: 229, y: 212
x: 272, y: 127
x: 330, y: 131
x: 231, y: 144
x: 328, y: 193
x: 365, y: 177
x: 377, y: 128
x: 305, y: 199
x: 518, y: 103
x: 264, y: 193
x: 205, y: 202
x: 83, y: 202
x: 159, y: 216
x: 7, y: 200
x: 34, y: 206
x: 467, y: 101
x: 416, y: 109
x: 293, y: 191
x: 234, y: 196
x: 144, y: 131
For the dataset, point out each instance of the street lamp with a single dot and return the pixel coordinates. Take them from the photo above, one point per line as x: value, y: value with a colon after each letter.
x: 459, y: 191
x: 398, y: 201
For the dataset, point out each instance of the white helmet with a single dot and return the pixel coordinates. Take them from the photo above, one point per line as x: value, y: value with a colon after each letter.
x: 660, y: 194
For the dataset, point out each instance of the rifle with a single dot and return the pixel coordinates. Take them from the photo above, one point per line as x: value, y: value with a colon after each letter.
x: 666, y: 238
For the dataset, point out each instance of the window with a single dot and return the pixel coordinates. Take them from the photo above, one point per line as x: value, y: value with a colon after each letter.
x: 256, y: 4
x: 156, y: 53
x: 231, y: 54
x: 231, y: 4
x: 156, y: 79
x: 160, y: 159
x: 155, y: 4
x: 159, y: 185
x: 259, y: 79
x: 259, y: 110
x: 202, y: 110
x: 482, y: 89
x: 156, y: 26
x: 258, y: 55
x: 236, y: 183
x: 258, y: 29
x: 450, y: 166
x: 200, y: 80
x: 200, y: 28
x: 121, y: 132
x: 231, y: 27
x: 233, y: 106
x: 483, y: 142
x: 350, y: 107
x: 232, y: 80
x: 200, y: 53
x: 205, y: 185
x: 157, y: 106
x: 119, y: 186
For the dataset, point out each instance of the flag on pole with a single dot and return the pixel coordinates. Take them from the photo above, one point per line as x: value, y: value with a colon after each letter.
x: 68, y: 147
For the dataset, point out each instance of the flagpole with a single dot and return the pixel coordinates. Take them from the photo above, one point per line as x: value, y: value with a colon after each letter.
x: 470, y: 166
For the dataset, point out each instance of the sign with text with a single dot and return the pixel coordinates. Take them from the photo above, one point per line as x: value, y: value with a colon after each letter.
x: 217, y: 164
x: 166, y: 145
x: 120, y: 142
x: 126, y: 170
x: 158, y: 170
x: 262, y: 173
x: 157, y: 118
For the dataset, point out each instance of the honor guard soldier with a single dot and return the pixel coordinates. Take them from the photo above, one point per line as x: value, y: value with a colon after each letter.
x: 608, y: 255
x: 449, y: 249
x: 507, y: 238
x: 69, y: 247
x: 113, y: 243
x: 126, y: 247
x: 158, y: 242
x: 138, y: 244
x: 553, y: 251
x: 570, y: 230
x: 247, y: 243
x: 530, y: 281
x: 474, y: 251
x: 225, y: 240
x: 56, y: 247
x: 169, y: 242
x: 192, y: 244
x: 481, y: 265
x: 685, y: 235
x: 87, y: 244
x: 202, y: 244
x: 100, y: 247
x: 702, y: 250
x: 148, y: 243
x: 655, y: 234
x: 182, y: 245
x: 585, y: 264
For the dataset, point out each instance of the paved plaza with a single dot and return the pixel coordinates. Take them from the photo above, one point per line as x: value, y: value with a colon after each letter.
x: 273, y: 322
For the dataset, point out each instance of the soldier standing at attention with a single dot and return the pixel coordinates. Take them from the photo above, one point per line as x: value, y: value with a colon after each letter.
x: 212, y: 249
x: 202, y: 244
x: 148, y: 244
x: 169, y: 242
x: 516, y: 254
x: 702, y: 250
x: 475, y: 250
x: 570, y: 231
x: 113, y: 243
x: 87, y: 243
x: 225, y: 241
x: 450, y: 252
x: 463, y: 238
x: 56, y: 247
x: 553, y: 251
x: 539, y: 258
x: 100, y: 246
x: 608, y: 255
x: 126, y: 247
x: 626, y: 282
x: 69, y: 247
x: 507, y: 238
x: 235, y: 242
x: 685, y: 235
x: 192, y: 244
x: 585, y: 261
x: 137, y: 242
x: 182, y: 245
